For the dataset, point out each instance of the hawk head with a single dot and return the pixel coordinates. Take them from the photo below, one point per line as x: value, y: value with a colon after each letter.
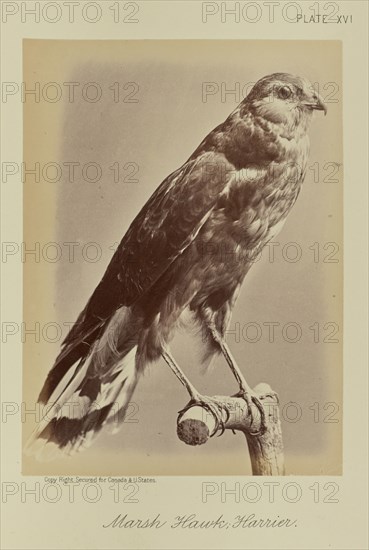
x: 283, y: 98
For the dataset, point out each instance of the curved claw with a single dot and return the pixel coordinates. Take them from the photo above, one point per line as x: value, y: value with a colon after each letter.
x: 257, y: 402
x: 221, y: 423
x: 185, y: 409
x: 211, y: 407
x: 263, y: 426
x: 189, y: 405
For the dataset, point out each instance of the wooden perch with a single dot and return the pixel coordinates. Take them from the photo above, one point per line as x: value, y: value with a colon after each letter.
x: 197, y: 424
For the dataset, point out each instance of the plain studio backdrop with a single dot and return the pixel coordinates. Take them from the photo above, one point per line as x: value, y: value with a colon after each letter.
x: 153, y: 112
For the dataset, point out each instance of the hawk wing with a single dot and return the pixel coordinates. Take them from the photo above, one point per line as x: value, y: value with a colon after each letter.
x: 163, y: 229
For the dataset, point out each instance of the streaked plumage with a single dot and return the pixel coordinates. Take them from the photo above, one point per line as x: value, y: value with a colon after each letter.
x: 190, y: 247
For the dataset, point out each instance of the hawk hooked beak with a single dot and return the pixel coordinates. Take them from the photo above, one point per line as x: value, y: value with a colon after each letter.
x: 316, y: 103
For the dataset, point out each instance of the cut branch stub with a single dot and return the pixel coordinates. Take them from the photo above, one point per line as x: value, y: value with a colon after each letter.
x: 197, y: 424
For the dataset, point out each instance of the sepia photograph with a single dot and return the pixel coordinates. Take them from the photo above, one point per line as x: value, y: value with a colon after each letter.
x: 184, y: 331
x: 183, y: 222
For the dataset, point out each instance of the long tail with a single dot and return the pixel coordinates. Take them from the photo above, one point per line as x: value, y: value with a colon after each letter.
x: 82, y: 395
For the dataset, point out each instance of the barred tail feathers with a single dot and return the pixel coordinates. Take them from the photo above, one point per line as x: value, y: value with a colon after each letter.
x: 92, y: 392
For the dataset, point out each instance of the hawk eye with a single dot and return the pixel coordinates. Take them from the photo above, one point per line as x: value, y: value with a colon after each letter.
x: 284, y: 92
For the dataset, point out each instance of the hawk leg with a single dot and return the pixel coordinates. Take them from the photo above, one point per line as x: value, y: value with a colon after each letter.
x: 246, y: 392
x: 209, y: 405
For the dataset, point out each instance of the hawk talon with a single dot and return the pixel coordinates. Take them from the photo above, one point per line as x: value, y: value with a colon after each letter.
x: 257, y: 402
x: 263, y: 426
x: 221, y: 422
x: 211, y: 407
x: 190, y: 404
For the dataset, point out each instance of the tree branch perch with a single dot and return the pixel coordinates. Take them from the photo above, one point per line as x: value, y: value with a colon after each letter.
x: 197, y: 424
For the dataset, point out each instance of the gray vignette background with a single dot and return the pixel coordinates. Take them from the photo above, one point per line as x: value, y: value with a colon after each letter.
x: 149, y: 139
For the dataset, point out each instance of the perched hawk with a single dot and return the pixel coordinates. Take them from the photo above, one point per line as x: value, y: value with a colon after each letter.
x: 189, y: 249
